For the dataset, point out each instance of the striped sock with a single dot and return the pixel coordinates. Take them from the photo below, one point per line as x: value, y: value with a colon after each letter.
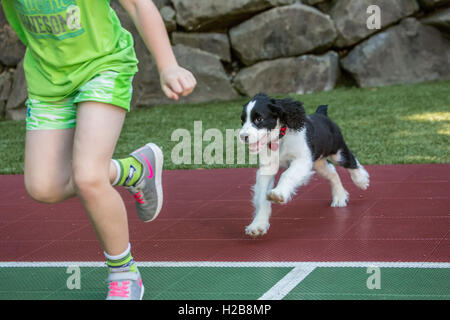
x: 129, y: 170
x: 121, y: 262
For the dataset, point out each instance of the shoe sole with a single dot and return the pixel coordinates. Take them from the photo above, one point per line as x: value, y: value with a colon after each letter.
x: 142, y: 292
x: 159, y: 160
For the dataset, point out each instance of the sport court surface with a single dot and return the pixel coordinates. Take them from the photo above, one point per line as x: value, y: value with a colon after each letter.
x: 197, y: 248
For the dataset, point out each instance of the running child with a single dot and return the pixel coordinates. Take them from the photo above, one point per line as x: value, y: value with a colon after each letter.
x: 79, y: 66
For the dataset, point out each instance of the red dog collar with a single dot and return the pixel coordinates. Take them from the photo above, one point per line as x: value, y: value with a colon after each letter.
x: 274, y: 146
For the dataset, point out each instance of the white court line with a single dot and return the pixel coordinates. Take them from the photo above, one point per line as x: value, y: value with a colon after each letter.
x: 287, y: 283
x: 229, y: 264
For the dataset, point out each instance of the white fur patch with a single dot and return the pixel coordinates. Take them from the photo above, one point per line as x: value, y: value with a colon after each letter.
x: 360, y: 177
x: 328, y: 171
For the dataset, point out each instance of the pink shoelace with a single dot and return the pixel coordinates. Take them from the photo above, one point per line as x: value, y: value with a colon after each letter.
x: 119, y: 291
x: 139, y: 198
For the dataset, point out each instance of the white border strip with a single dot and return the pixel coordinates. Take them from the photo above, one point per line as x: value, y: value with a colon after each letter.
x: 228, y: 264
x: 287, y: 283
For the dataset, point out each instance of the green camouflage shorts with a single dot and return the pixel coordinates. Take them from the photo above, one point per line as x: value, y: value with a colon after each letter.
x: 107, y: 87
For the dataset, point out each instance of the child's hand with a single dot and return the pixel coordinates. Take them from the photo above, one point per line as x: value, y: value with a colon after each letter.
x: 176, y: 81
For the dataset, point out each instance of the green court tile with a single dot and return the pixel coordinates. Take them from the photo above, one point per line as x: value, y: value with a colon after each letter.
x: 205, y: 296
x: 93, y: 286
x: 395, y: 283
x: 160, y: 283
x: 22, y: 295
x: 210, y: 282
x: 50, y: 283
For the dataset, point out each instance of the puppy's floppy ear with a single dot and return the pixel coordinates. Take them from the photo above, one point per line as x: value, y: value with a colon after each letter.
x: 290, y: 112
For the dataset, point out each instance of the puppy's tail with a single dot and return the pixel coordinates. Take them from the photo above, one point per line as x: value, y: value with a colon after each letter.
x: 323, y: 110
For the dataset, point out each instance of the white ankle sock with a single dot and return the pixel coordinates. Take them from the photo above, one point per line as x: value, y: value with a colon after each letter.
x: 119, y: 256
x: 118, y: 170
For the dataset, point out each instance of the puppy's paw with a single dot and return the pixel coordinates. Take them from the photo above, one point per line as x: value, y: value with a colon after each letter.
x: 257, y: 228
x: 360, y: 178
x: 340, y: 199
x: 275, y: 197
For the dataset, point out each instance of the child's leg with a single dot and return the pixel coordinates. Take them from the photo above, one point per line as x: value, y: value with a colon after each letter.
x: 48, y: 172
x: 48, y: 165
x: 98, y: 129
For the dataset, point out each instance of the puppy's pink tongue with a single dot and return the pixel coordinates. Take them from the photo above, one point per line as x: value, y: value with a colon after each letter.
x: 273, y: 145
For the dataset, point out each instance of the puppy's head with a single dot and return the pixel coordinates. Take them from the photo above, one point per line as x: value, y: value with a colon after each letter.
x: 263, y: 117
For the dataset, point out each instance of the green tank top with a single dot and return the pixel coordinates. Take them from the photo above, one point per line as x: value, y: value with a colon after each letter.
x: 69, y: 42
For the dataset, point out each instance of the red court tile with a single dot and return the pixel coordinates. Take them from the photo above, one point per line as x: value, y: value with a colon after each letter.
x: 400, y: 228
x: 69, y: 210
x: 244, y: 191
x: 125, y: 194
x: 442, y: 252
x: 403, y: 216
x: 381, y: 250
x: 393, y: 208
x: 16, y: 212
x: 431, y: 190
x: 138, y: 231
x: 226, y: 177
x: 223, y: 209
x: 67, y: 250
x: 315, y: 209
x: 39, y: 230
x: 204, y: 229
x: 273, y: 250
x: 13, y: 190
x: 178, y: 250
x: 15, y: 250
x: 376, y: 190
x: 435, y: 172
x: 237, y: 192
x: 176, y: 209
x: 192, y: 193
x: 312, y: 229
x: 86, y: 232
x: 171, y: 210
x: 386, y: 173
x: 145, y: 231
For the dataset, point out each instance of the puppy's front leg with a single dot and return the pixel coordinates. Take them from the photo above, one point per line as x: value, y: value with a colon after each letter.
x: 298, y: 173
x: 260, y: 223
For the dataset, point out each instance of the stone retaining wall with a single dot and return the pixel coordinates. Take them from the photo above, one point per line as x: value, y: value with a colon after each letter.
x: 241, y: 47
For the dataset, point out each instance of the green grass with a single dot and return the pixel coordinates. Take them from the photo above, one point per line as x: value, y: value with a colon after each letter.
x: 391, y: 125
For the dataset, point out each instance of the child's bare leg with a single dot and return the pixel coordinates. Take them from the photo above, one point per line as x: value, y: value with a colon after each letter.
x: 98, y: 129
x: 48, y: 170
x: 48, y: 165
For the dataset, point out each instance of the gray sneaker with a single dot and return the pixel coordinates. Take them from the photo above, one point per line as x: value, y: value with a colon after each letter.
x: 125, y: 285
x: 148, y: 191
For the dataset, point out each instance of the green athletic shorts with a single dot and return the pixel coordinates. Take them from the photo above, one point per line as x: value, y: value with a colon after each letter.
x: 107, y: 87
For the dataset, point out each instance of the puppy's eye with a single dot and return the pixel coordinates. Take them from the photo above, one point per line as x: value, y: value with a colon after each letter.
x: 258, y: 119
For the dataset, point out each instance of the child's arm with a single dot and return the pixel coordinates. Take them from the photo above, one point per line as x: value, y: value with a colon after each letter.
x: 175, y: 80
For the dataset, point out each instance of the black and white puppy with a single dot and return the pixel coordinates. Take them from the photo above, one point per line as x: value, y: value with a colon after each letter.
x: 284, y: 136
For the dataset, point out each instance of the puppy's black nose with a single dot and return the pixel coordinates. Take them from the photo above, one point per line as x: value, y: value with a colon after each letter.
x: 244, y: 137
